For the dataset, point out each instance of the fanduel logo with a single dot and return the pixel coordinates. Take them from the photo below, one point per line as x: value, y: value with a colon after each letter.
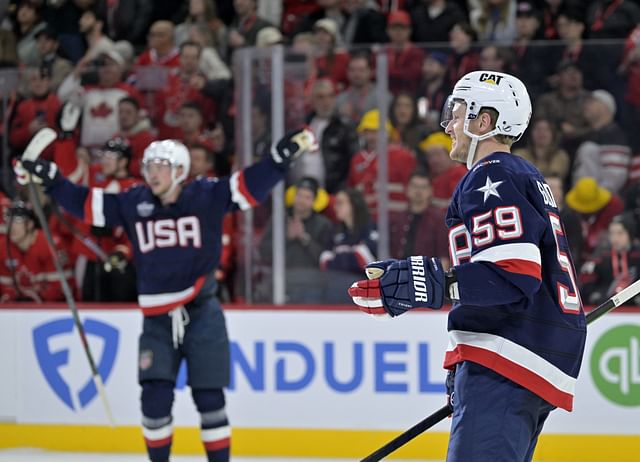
x: 51, y: 362
x: 615, y: 365
x: 292, y: 366
x: 419, y: 283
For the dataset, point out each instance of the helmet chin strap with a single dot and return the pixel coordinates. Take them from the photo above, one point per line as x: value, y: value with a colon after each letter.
x: 471, y: 154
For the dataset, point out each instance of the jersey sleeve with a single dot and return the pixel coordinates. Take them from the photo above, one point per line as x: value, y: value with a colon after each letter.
x: 505, y: 230
x: 250, y: 186
x: 92, y: 205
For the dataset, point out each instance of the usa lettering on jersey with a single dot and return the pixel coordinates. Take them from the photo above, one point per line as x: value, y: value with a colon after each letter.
x: 158, y: 234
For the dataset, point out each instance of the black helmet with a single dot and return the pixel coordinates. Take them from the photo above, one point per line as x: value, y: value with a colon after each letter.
x: 119, y: 145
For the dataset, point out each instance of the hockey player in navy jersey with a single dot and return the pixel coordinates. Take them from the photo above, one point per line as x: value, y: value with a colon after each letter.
x: 516, y: 329
x: 176, y: 231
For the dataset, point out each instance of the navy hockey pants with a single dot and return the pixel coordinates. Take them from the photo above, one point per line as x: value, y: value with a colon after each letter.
x: 494, y: 419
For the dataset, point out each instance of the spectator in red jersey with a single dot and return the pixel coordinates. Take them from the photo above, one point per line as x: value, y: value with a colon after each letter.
x: 27, y: 272
x: 136, y: 129
x: 444, y: 172
x: 407, y: 230
x: 464, y: 58
x: 99, y: 102
x: 404, y: 58
x: 363, y: 171
x: 161, y: 49
x: 5, y: 204
x: 117, y: 282
x: 330, y: 60
x: 615, y: 266
x: 184, y: 85
x: 596, y: 206
x: 40, y: 109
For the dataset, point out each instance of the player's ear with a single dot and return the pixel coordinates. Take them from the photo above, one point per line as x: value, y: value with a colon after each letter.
x: 484, y: 122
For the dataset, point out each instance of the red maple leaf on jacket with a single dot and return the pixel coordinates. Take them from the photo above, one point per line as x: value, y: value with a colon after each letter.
x: 102, y: 110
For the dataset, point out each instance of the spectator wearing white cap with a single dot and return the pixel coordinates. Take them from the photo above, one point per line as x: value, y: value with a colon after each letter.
x: 330, y: 59
x: 605, y: 155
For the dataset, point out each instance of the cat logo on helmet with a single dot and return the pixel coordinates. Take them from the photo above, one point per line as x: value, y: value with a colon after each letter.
x: 492, y: 79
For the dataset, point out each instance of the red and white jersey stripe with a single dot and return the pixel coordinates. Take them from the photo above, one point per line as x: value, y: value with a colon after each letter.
x: 520, y: 258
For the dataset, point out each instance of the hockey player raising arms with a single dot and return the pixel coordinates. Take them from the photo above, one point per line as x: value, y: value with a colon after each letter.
x: 516, y: 328
x: 176, y: 233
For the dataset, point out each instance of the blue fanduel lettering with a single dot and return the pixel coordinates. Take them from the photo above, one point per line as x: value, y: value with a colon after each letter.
x: 329, y: 370
x: 284, y: 384
x: 384, y: 366
x: 393, y: 369
x: 425, y: 386
x: 255, y: 375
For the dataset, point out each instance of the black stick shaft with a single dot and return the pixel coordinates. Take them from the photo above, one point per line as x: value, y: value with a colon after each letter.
x: 444, y: 412
x: 68, y: 294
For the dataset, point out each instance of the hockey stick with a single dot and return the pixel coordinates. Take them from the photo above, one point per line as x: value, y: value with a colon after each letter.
x: 618, y: 299
x: 31, y: 153
x: 39, y: 143
x: 84, y: 240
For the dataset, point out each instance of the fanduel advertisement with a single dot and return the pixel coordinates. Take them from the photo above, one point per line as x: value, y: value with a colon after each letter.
x: 291, y: 369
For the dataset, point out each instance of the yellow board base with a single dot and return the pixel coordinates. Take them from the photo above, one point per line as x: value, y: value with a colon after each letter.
x: 288, y: 442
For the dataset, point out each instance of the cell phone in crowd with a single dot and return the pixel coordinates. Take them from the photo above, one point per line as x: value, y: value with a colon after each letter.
x: 423, y: 107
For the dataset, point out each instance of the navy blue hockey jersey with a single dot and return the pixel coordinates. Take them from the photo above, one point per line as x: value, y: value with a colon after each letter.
x: 520, y: 312
x: 175, y: 246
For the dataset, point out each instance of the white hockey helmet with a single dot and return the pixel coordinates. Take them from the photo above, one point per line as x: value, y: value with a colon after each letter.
x: 489, y: 89
x: 171, y: 151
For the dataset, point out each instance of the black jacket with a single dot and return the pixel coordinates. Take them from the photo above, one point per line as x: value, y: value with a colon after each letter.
x: 338, y: 145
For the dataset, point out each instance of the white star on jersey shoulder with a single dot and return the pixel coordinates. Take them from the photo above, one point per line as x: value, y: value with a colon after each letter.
x: 490, y: 188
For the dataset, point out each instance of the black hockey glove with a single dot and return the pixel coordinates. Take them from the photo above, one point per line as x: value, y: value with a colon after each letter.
x: 39, y: 171
x: 292, y: 146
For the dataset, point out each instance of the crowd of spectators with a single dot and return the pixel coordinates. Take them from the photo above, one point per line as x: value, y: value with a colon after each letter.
x: 139, y: 70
